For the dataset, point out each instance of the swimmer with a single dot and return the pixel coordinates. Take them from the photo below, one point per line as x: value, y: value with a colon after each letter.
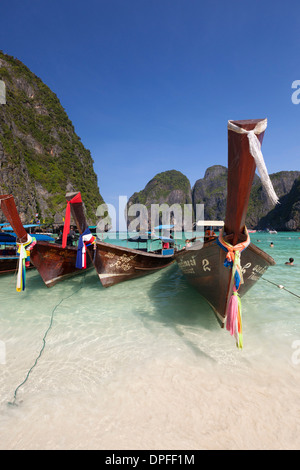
x: 290, y: 261
x: 272, y: 245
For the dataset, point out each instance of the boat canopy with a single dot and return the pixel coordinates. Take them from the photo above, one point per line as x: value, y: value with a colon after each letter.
x: 10, y: 229
x: 38, y: 236
x: 166, y: 239
x: 7, y: 238
x: 162, y: 227
x: 210, y: 223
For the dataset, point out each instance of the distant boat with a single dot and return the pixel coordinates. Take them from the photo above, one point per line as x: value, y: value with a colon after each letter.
x: 113, y: 263
x: 53, y: 262
x: 272, y: 232
x: 224, y: 268
x: 9, y: 257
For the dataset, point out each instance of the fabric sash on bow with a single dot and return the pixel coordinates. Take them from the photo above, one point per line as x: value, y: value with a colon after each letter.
x: 255, y: 150
x: 66, y: 231
x: 24, y: 253
x: 233, y: 261
x: 85, y: 240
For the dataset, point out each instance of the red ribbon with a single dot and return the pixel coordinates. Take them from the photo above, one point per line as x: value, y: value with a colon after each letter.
x: 66, y: 232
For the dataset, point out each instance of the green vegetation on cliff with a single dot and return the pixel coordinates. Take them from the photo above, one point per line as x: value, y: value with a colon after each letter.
x: 169, y: 187
x: 41, y: 156
x: 164, y: 188
x: 172, y: 187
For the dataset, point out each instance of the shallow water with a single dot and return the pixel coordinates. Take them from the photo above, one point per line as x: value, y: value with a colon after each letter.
x: 145, y: 365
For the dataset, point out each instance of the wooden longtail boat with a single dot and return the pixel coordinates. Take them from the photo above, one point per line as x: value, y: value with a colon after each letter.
x: 113, y: 263
x: 8, y: 255
x: 224, y: 268
x: 53, y: 262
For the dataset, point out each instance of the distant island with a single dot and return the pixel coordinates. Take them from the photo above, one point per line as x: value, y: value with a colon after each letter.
x: 173, y: 187
x: 42, y: 158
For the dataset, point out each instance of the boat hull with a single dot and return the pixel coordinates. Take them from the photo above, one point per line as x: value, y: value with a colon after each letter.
x: 115, y: 264
x: 204, y: 269
x: 55, y: 263
x: 9, y: 261
x: 8, y: 264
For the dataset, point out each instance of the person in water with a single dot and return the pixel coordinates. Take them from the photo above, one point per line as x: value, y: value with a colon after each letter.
x: 290, y: 261
x: 272, y: 245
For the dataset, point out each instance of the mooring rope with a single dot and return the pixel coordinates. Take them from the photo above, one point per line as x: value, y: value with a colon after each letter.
x: 281, y: 287
x: 14, y: 402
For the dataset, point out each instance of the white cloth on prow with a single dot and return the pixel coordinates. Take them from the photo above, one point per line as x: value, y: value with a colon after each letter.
x: 255, y: 150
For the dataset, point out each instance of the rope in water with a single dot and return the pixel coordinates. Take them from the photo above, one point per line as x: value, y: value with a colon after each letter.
x: 14, y: 402
x: 281, y: 287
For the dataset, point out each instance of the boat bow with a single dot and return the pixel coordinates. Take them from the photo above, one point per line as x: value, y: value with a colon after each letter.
x: 224, y: 269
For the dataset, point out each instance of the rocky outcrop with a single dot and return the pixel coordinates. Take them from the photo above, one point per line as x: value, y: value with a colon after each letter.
x: 171, y: 188
x: 286, y: 215
x: 259, y: 204
x: 211, y: 191
x: 41, y: 156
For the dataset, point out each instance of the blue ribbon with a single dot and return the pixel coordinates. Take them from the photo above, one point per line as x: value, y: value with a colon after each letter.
x: 79, y: 248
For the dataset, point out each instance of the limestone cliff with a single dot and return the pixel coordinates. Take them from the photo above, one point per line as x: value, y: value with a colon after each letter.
x: 259, y: 204
x: 41, y: 156
x: 286, y: 215
x: 211, y: 191
x: 171, y: 188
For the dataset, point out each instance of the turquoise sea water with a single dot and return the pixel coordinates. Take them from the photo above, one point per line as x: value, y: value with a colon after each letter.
x: 145, y: 365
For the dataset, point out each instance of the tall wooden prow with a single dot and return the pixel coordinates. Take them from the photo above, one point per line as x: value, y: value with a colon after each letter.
x: 241, y: 170
x: 77, y: 211
x: 10, y: 211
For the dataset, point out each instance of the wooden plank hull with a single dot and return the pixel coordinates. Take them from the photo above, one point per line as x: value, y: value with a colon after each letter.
x: 115, y: 264
x: 55, y: 263
x: 9, y: 264
x: 204, y: 269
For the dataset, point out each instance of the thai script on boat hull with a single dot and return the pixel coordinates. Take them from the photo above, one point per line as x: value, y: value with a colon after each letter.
x: 176, y: 218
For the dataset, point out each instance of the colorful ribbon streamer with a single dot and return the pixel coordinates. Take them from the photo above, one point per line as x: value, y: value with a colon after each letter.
x: 66, y: 231
x: 233, y: 261
x: 24, y: 252
x: 255, y: 151
x: 85, y: 239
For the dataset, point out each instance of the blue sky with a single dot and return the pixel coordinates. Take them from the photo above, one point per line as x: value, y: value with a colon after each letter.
x: 150, y: 84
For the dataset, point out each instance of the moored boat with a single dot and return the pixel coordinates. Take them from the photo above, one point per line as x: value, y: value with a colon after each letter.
x: 8, y: 254
x: 114, y: 263
x: 224, y: 268
x: 53, y: 262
